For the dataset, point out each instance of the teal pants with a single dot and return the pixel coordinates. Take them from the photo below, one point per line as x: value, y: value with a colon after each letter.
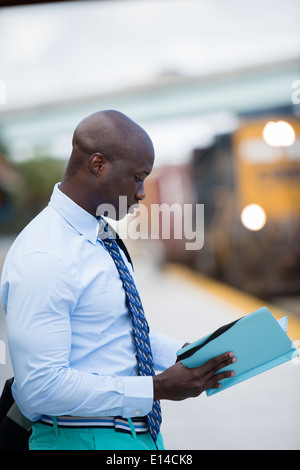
x: 54, y: 437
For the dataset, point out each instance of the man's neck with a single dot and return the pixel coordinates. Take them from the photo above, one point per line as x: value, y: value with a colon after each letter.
x: 71, y: 190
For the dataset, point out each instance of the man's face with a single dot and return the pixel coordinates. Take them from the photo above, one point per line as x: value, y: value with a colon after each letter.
x: 124, y: 183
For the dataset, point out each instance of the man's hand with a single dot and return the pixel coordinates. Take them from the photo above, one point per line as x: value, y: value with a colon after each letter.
x: 179, y: 382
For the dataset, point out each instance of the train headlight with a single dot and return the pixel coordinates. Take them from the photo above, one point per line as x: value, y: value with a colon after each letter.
x: 279, y: 134
x: 253, y: 217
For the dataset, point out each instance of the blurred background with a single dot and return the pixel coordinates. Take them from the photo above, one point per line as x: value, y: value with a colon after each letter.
x: 215, y: 83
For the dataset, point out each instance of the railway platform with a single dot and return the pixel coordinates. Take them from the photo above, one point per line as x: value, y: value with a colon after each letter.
x: 261, y: 413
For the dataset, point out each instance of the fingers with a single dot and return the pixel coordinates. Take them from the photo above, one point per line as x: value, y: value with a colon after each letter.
x: 214, y: 381
x: 179, y: 382
x: 219, y: 362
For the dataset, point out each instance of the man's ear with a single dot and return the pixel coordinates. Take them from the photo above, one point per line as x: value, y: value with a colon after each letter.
x: 96, y: 162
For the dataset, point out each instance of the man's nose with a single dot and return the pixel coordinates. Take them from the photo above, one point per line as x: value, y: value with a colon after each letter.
x: 140, y: 194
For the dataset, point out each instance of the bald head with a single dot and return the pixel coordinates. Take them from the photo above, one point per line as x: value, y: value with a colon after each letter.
x: 110, y: 133
x: 111, y: 157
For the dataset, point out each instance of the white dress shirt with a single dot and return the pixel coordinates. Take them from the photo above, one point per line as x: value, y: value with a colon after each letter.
x: 68, y: 327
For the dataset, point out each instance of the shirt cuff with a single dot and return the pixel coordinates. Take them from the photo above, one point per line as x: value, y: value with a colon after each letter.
x: 138, y: 396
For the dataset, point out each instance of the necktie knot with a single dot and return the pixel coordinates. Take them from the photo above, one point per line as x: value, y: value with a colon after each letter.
x: 103, y: 229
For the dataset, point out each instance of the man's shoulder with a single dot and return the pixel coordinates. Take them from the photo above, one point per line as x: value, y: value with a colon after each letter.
x: 41, y: 235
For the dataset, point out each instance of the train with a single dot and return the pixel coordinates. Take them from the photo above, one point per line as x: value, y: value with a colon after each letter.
x: 248, y: 183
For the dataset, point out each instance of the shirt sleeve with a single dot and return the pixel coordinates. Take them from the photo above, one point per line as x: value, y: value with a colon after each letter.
x: 41, y: 294
x: 164, y: 350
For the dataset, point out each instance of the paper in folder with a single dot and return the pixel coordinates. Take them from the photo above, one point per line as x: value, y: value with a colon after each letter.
x: 258, y: 340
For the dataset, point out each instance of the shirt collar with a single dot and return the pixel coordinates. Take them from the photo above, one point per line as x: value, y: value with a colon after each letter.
x: 86, y: 224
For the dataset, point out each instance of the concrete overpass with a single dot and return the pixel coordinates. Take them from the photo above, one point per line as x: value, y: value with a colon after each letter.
x: 177, y: 111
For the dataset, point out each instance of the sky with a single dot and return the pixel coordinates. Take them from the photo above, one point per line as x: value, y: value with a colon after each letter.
x: 66, y: 50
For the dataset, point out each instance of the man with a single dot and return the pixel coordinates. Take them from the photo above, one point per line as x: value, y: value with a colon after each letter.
x: 78, y: 338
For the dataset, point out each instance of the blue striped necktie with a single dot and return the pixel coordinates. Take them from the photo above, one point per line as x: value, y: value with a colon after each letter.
x: 139, y: 322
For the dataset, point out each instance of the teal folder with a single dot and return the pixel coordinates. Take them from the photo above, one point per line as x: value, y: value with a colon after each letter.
x: 258, y: 341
